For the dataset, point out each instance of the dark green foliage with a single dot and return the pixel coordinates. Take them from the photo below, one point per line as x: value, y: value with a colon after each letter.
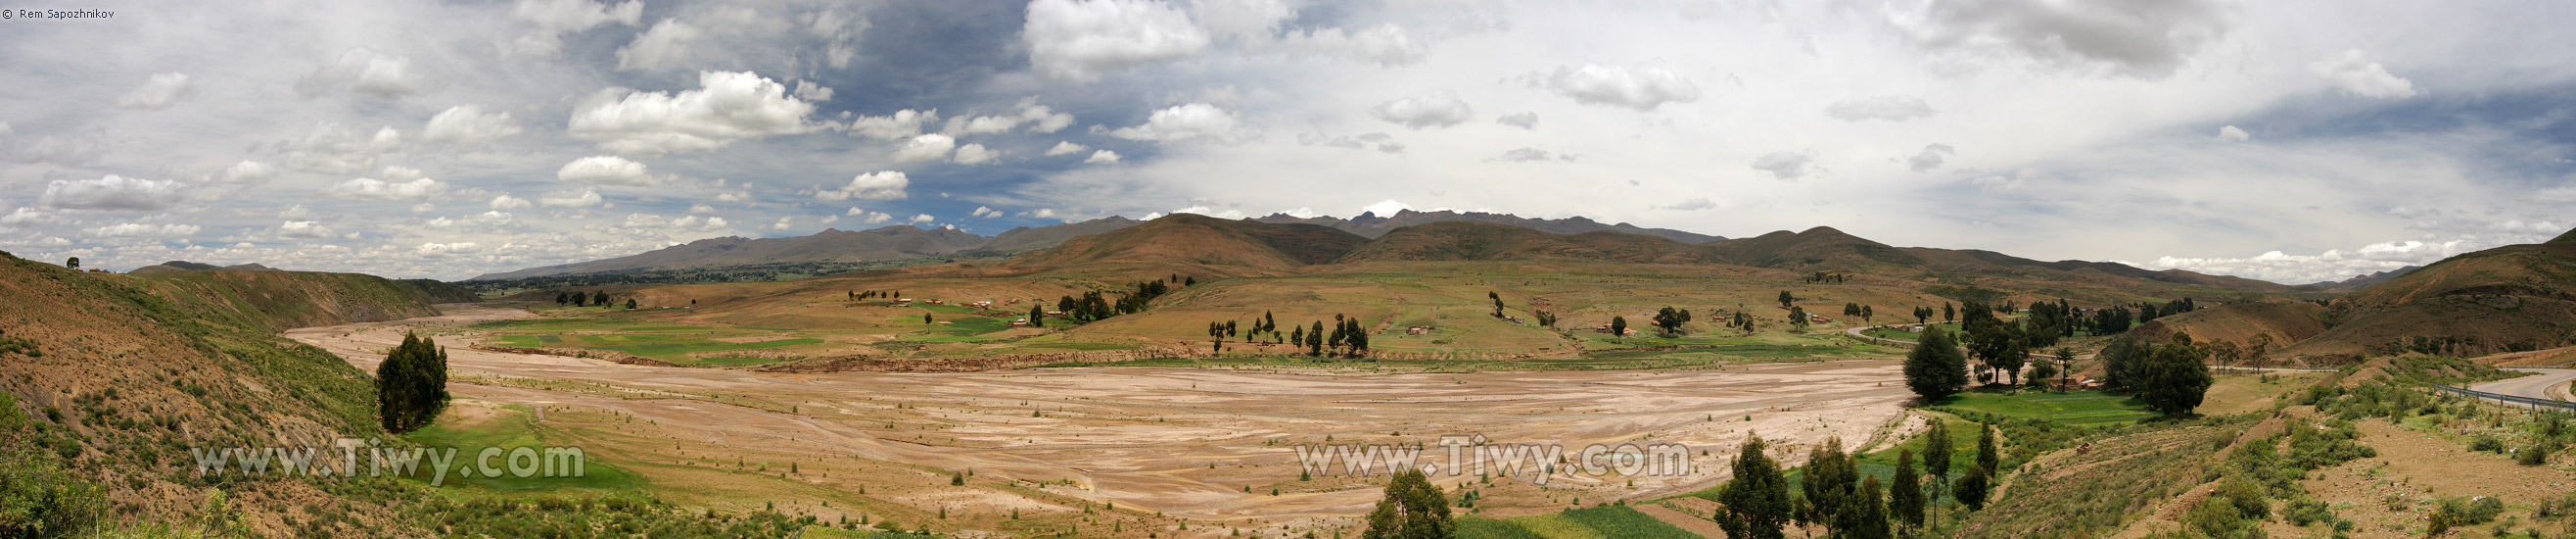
x: 1905, y: 490
x: 1864, y: 516
x: 1798, y: 317
x: 38, y: 499
x: 1670, y: 320
x: 1786, y: 299
x: 1618, y: 325
x: 1757, y: 500
x: 73, y: 263
x: 599, y: 298
x: 1988, y: 458
x: 1037, y: 316
x: 2174, y: 379
x: 1971, y: 489
x: 630, y: 304
x: 1935, y: 369
x: 411, y: 384
x: 1936, y: 458
x: 1412, y: 509
x: 1830, y: 481
x: 2535, y: 455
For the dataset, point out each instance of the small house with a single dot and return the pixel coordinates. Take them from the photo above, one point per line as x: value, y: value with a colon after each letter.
x: 1417, y: 330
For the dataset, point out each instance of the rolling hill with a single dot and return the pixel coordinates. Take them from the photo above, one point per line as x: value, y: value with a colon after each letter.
x: 1478, y: 241
x: 830, y: 245
x: 1194, y: 239
x: 276, y: 300
x: 183, y: 265
x: 1370, y: 225
x: 2511, y: 298
x: 2239, y: 323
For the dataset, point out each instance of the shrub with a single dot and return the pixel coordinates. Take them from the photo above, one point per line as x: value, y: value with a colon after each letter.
x: 2487, y: 444
x: 2305, y: 511
x: 2535, y: 455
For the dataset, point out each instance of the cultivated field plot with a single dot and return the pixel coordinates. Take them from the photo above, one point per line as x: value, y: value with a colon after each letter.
x: 2072, y: 408
x: 686, y: 345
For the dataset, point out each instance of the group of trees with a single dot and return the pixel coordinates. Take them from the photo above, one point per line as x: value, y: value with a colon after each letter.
x: 1219, y: 331
x: 411, y: 384
x: 1828, y: 277
x: 1347, y: 337
x: 1412, y: 508
x: 1090, y: 307
x: 1670, y: 320
x: 2170, y: 378
x: 1833, y: 493
x: 577, y: 298
x: 1865, y: 312
x: 857, y: 295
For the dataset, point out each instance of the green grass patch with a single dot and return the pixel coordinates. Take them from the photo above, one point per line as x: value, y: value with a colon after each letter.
x: 2082, y: 408
x: 1600, y: 521
x: 509, y: 431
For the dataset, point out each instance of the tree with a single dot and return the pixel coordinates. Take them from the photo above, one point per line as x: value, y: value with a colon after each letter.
x: 560, y: 299
x: 1670, y: 320
x: 2123, y: 362
x: 1905, y: 490
x: 1786, y: 299
x: 1412, y: 509
x: 411, y: 384
x: 1037, y: 316
x: 1315, y: 340
x: 1546, y: 319
x: 1498, y: 302
x: 1867, y: 312
x: 2175, y: 379
x: 925, y: 319
x: 630, y: 304
x: 1936, y: 459
x: 1971, y: 489
x: 1851, y: 309
x: 599, y: 298
x: 1949, y: 314
x: 1935, y: 370
x: 2041, y: 371
x: 1830, y: 479
x: 73, y: 263
x: 1757, y: 501
x: 1618, y: 326
x: 1798, y: 317
x: 2066, y: 367
x: 1999, y: 346
x: 1864, y: 515
x: 1987, y: 457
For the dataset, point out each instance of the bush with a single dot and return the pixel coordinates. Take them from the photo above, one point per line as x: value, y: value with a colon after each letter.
x: 39, y: 499
x: 2535, y: 455
x: 411, y: 385
x: 2487, y: 444
x: 2305, y: 511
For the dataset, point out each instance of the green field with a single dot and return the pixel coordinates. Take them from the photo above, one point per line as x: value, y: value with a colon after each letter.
x: 1603, y: 521
x: 2080, y: 408
x: 676, y: 344
x: 512, y: 429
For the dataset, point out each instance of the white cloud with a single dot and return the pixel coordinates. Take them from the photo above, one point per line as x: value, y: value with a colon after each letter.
x: 1065, y: 147
x: 929, y: 147
x: 293, y: 212
x: 548, y: 20
x: 1526, y: 155
x: 923, y: 218
x: 2331, y: 265
x: 975, y: 154
x: 438, y: 250
x: 811, y: 92
x: 1081, y: 40
x: 1640, y: 88
x: 701, y: 207
x: 248, y: 172
x: 1996, y: 183
x: 587, y: 197
x: 1043, y: 213
x: 986, y: 212
x: 333, y: 149
x: 2356, y: 75
x: 1525, y: 120
x: 1041, y: 119
x: 2137, y: 39
x: 424, y: 207
x: 140, y: 230
x: 2230, y: 133
x: 1893, y: 108
x: 870, y: 217
x: 902, y: 124
x: 609, y: 170
x: 371, y: 189
x: 1385, y: 44
x: 783, y: 223
x: 1193, y: 121
x: 23, y: 216
x: 113, y: 192
x: 1103, y: 157
x: 1439, y: 109
x: 1386, y: 208
x: 304, y: 230
x: 365, y: 71
x: 468, y: 125
x: 884, y: 185
x: 662, y: 47
x: 1930, y: 158
x: 159, y: 91
x: 507, y: 202
x: 728, y: 107
x: 1788, y: 166
x: 1695, y: 204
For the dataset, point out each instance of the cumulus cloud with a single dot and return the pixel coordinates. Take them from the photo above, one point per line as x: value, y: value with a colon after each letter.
x: 22, y: 217
x: 870, y: 217
x: 468, y: 125
x: 439, y: 250
x: 1930, y: 158
x: 507, y: 202
x: 1439, y: 109
x: 335, y: 149
x: 1525, y: 120
x: 1998, y: 183
x: 1081, y: 40
x: 1788, y: 166
x: 662, y: 47
x: 811, y: 92
x: 986, y: 212
x: 609, y: 170
x: 1530, y: 155
x: 1065, y: 147
x: 1695, y: 204
x: 1385, y: 44
x: 726, y: 108
x: 157, y: 92
x: 371, y: 189
x: 1103, y: 157
x: 490, y: 221
x: 2331, y: 265
x: 2356, y: 75
x: 885, y: 185
x: 923, y: 218
x: 902, y: 124
x: 2230, y: 133
x: 585, y: 198
x: 975, y: 154
x: 304, y: 230
x: 1893, y: 108
x: 1040, y: 119
x: 140, y: 230
x: 1640, y: 88
x: 546, y: 21
x: 2136, y: 39
x: 248, y: 172
x: 1193, y: 121
x: 365, y: 71
x: 929, y: 147
x: 113, y: 192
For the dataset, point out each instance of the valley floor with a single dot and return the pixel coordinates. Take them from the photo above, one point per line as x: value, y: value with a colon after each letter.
x: 1207, y: 445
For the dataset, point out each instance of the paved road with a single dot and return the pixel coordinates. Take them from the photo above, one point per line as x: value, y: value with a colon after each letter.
x: 2551, y: 384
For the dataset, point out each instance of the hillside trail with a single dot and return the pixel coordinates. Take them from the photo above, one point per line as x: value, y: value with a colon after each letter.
x: 1145, y: 437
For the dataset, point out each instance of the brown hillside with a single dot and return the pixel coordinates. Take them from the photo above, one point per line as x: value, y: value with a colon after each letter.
x: 276, y: 300
x: 1371, y: 225
x: 1816, y: 248
x: 2239, y: 322
x: 832, y: 245
x: 1195, y: 239
x: 2512, y: 298
x: 1465, y: 240
x: 1025, y: 238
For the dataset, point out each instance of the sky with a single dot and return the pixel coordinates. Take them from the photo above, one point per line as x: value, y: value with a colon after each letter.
x: 2291, y: 141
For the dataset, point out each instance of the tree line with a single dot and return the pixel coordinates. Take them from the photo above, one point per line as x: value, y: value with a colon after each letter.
x: 1834, y: 494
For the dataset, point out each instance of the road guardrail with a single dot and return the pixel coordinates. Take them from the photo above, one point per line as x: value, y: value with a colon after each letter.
x: 2528, y: 401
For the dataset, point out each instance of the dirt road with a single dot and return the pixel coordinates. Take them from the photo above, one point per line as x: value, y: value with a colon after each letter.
x: 2550, y: 384
x: 1189, y: 442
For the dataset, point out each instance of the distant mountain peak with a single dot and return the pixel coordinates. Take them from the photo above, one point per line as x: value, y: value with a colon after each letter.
x: 1371, y: 225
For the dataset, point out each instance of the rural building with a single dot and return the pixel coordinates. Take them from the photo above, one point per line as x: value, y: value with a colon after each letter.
x: 1417, y: 330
